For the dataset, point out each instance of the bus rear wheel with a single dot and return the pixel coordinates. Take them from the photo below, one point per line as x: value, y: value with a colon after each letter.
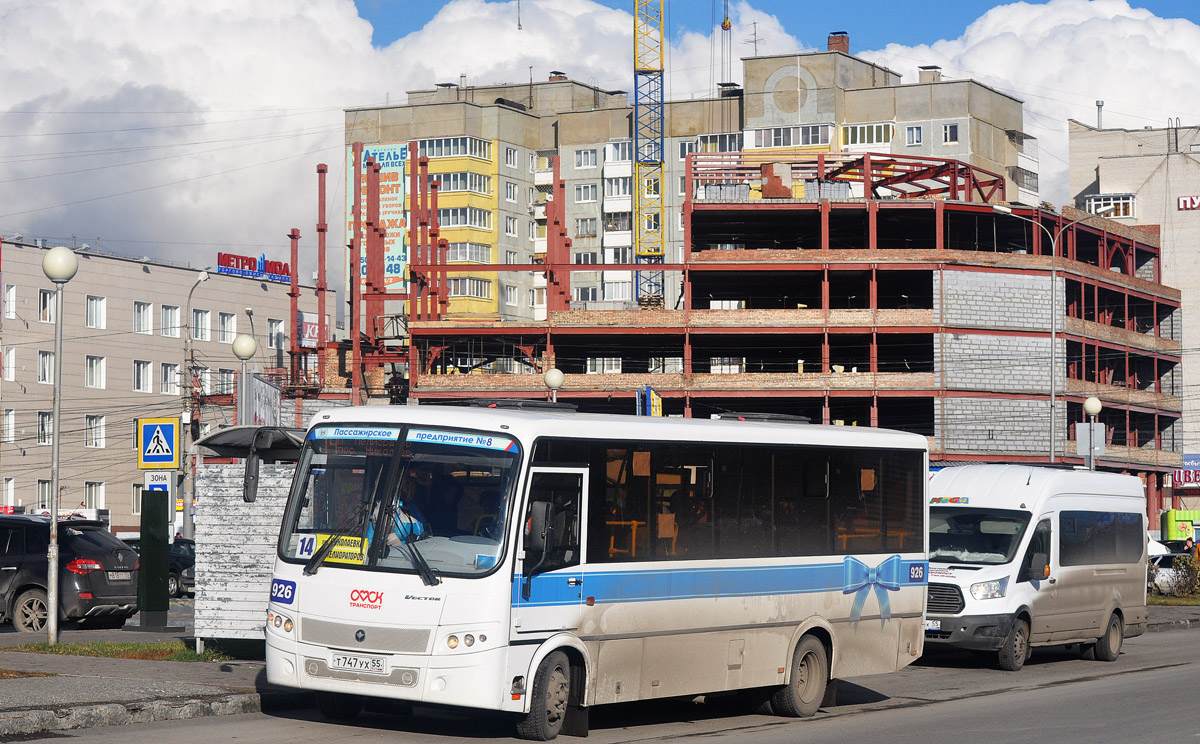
x: 339, y: 706
x: 548, y: 699
x: 801, y: 697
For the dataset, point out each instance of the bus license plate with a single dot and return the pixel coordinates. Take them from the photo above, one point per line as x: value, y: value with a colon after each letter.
x: 355, y: 663
x: 119, y: 575
x: 933, y: 625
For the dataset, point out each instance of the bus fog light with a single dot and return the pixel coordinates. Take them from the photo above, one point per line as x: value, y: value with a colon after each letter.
x: 469, y: 639
x: 438, y: 684
x: 278, y: 621
x: 482, y: 638
x: 452, y: 641
x: 287, y: 626
x: 288, y: 667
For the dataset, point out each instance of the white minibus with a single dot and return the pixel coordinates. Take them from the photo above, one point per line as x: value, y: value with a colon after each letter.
x: 1023, y: 556
x: 541, y: 562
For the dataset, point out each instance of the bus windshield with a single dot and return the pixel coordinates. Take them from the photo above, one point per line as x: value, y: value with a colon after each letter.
x: 975, y: 536
x: 393, y: 498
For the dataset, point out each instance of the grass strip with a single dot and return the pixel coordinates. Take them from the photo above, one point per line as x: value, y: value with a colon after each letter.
x: 1170, y: 600
x: 162, y: 651
x: 14, y: 674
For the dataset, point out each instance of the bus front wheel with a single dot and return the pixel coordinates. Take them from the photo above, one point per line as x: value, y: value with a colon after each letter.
x: 548, y: 699
x: 801, y: 697
x: 339, y: 706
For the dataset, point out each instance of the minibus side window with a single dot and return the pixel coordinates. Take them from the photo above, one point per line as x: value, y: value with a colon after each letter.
x: 1039, y: 544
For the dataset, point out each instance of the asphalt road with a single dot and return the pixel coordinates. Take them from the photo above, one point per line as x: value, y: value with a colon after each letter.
x: 1146, y: 695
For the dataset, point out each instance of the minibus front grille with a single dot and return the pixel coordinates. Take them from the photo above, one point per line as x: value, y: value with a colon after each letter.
x: 944, y: 599
x: 375, y: 638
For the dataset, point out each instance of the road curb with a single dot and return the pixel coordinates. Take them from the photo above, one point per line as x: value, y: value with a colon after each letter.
x: 36, y: 721
x: 1174, y: 625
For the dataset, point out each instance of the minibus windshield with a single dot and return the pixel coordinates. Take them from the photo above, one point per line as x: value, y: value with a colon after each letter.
x: 430, y: 501
x: 975, y: 536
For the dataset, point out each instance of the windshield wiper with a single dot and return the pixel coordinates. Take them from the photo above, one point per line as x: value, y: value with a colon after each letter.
x: 334, y: 538
x: 408, y: 540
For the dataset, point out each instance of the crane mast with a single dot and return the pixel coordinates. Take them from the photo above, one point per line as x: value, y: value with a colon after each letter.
x: 648, y: 149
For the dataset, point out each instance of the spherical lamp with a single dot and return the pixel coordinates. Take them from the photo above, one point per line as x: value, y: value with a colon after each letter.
x: 60, y: 264
x: 244, y: 347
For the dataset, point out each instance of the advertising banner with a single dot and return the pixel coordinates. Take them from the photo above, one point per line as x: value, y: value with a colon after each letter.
x: 265, y: 402
x: 310, y: 329
x: 392, y: 214
x: 1188, y: 476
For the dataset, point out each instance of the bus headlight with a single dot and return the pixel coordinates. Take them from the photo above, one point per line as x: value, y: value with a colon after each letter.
x: 452, y: 641
x: 279, y: 622
x: 990, y: 589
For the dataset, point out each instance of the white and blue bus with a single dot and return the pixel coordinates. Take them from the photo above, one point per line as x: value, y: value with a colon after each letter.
x: 541, y: 562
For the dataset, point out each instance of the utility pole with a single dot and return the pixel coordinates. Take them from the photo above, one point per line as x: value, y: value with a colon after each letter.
x: 187, y: 528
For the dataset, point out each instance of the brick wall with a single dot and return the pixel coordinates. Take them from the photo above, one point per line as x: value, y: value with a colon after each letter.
x: 1002, y: 364
x: 995, y: 426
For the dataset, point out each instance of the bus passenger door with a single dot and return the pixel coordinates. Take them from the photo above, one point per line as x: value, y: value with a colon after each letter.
x: 549, y: 588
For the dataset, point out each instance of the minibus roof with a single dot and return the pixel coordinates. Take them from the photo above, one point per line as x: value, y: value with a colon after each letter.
x: 1024, y: 486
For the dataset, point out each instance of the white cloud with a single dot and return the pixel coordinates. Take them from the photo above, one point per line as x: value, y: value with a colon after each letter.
x: 211, y: 115
x: 1060, y: 58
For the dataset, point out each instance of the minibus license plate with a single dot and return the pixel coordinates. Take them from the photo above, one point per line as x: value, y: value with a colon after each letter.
x: 355, y: 663
x: 119, y: 576
x: 933, y: 625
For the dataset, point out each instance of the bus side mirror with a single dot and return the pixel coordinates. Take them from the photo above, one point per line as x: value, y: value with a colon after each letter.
x: 1039, y: 567
x: 250, y: 478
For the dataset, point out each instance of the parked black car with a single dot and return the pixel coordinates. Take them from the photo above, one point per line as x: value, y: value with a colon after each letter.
x: 97, y: 573
x: 181, y: 564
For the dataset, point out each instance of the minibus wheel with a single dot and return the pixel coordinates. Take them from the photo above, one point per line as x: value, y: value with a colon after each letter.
x: 1015, y: 650
x: 548, y: 700
x: 801, y: 697
x: 1108, y: 646
x: 339, y: 706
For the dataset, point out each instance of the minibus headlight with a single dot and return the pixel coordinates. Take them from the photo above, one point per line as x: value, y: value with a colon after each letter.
x: 990, y: 589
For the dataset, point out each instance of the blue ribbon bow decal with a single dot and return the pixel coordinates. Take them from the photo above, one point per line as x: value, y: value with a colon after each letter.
x: 859, y: 578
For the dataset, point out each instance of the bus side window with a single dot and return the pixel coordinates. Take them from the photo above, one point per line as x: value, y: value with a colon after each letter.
x: 564, y: 491
x: 1038, y: 550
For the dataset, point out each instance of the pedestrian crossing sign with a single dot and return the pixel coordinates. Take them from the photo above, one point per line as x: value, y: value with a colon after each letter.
x: 158, y: 443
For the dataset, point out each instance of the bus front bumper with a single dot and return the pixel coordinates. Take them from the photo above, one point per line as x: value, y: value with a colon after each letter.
x: 974, y: 632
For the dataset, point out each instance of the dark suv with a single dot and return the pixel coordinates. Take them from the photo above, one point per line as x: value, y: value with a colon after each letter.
x: 181, y: 578
x: 97, y: 573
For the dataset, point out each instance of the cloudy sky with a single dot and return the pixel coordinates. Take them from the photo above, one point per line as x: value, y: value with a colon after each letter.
x: 184, y: 128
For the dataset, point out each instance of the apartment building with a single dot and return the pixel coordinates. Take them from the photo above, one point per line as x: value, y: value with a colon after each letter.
x: 125, y: 325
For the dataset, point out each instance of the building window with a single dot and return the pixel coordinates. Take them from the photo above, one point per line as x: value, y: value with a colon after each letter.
x: 536, y: 231
x: 170, y: 321
x: 912, y: 136
x: 651, y: 187
x: 949, y: 134
x: 142, y: 321
x: 617, y: 187
x: 141, y: 376
x: 686, y: 148
x: 465, y: 217
x: 448, y: 147
x: 726, y: 365
x: 462, y: 181
x: 200, y: 319
x: 511, y: 191
x: 8, y: 425
x: 468, y: 253
x: 10, y: 300
x: 10, y: 491
x: 470, y: 287
x: 867, y: 134
x: 135, y: 500
x: 1122, y: 204
x: 680, y: 216
x: 585, y: 158
x: 225, y: 380
x: 274, y: 333
x: 585, y: 227
x: 586, y: 294
x: 618, y: 290
x: 1026, y: 179
x: 510, y: 295
x: 585, y: 192
x: 45, y: 367
x: 622, y: 254
x: 203, y: 382
x: 683, y: 185
x: 168, y: 380
x: 727, y: 142
x: 603, y: 365
x: 226, y: 327
x: 93, y: 432
x: 813, y: 134
x: 46, y: 307
x: 510, y: 157
x: 93, y: 494
x: 652, y: 221
x: 45, y: 430
x: 537, y: 297
x: 618, y: 152
x: 512, y: 227
x: 585, y: 258
x: 510, y: 257
x: 618, y: 222
x: 43, y: 494
x: 532, y: 162
x: 96, y: 312
x: 94, y: 372
x: 10, y: 363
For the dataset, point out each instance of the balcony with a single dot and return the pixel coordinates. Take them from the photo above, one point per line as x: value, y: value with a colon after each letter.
x: 1120, y: 395
x: 1113, y: 334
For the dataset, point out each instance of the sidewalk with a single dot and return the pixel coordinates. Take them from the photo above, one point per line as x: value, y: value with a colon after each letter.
x: 87, y: 692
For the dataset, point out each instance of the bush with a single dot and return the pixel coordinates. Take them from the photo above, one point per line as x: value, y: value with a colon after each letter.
x: 1187, y: 575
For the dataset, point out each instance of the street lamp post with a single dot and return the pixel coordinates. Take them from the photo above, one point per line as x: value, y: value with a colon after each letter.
x: 554, y: 379
x: 244, y: 347
x: 59, y: 265
x: 1054, y: 236
x: 189, y: 480
x: 1092, y: 407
